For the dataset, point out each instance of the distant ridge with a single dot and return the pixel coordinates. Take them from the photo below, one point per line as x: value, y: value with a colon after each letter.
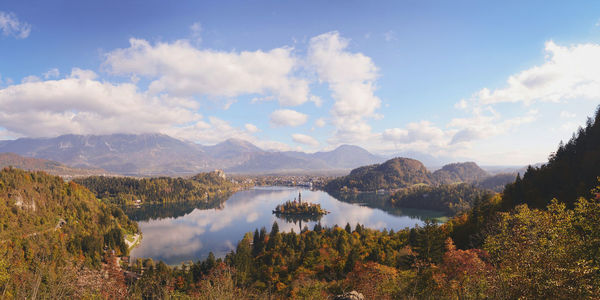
x: 48, y: 166
x: 159, y: 154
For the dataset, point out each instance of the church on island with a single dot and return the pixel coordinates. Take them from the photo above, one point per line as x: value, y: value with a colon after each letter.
x: 297, y: 207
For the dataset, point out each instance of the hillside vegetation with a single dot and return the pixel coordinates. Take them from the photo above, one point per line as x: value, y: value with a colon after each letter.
x: 126, y: 190
x: 52, y: 233
x: 451, y: 189
x: 450, y: 198
x: 393, y: 174
x: 459, y: 172
x: 402, y: 172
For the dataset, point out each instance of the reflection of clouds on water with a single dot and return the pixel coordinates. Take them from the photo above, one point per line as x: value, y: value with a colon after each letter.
x: 174, y: 238
x: 252, y: 217
x: 310, y: 197
x: 192, y: 236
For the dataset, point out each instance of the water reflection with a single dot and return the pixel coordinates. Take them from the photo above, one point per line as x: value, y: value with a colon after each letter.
x: 299, y: 219
x: 148, y: 212
x: 192, y: 231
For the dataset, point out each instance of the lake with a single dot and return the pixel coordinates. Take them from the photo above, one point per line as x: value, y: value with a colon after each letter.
x: 183, y: 232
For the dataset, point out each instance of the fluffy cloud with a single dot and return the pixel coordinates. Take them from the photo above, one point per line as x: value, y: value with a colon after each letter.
x: 568, y: 73
x: 181, y: 69
x: 351, y: 79
x: 414, y: 132
x: 305, y: 140
x: 214, y: 130
x: 80, y: 104
x: 484, y: 124
x: 288, y: 117
x: 52, y: 73
x: 11, y: 26
x: 210, y: 131
x: 251, y: 128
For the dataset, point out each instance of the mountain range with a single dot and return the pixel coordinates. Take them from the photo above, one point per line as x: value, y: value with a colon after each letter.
x: 159, y: 154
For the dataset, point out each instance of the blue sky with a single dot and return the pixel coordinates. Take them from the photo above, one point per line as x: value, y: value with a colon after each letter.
x: 498, y: 83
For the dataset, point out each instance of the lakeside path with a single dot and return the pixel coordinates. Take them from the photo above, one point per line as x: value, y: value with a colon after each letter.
x: 135, y: 240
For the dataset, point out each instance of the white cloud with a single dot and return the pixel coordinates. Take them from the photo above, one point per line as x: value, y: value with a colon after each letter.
x: 414, y: 132
x: 181, y: 69
x: 351, y: 78
x: 80, y: 104
x: 251, y: 128
x: 485, y: 124
x: 30, y: 78
x: 462, y: 104
x: 211, y: 131
x: 52, y: 73
x: 288, y: 117
x: 568, y: 73
x: 215, y: 130
x: 316, y: 100
x: 11, y: 26
x: 83, y: 74
x: 305, y: 140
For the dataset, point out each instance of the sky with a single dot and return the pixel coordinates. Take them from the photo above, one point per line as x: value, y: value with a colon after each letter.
x: 496, y: 82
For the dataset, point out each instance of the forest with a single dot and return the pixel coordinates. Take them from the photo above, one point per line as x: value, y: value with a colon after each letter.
x: 55, y: 238
x: 126, y: 190
x: 449, y: 198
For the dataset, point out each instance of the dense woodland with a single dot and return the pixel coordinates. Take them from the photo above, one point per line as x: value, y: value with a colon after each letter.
x: 496, y: 183
x: 54, y: 237
x: 126, y: 190
x: 450, y: 198
x: 393, y: 174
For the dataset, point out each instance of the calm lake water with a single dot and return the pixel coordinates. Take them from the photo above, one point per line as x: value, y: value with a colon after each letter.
x: 177, y: 233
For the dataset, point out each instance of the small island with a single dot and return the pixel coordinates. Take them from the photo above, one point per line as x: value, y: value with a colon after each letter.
x: 298, y: 208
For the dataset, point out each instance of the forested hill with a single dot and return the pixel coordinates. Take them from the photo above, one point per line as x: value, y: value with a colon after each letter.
x: 402, y: 172
x: 571, y: 172
x: 459, y: 172
x: 53, y: 234
x: 126, y: 190
x: 395, y: 173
